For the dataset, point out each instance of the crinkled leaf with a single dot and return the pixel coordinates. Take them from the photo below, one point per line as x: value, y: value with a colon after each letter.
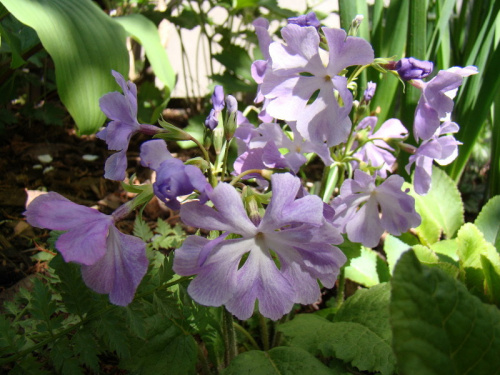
x: 488, y: 221
x: 86, y: 348
x: 438, y: 326
x: 363, y: 269
x: 85, y: 45
x: 441, y: 209
x: 360, y: 334
x: 471, y: 246
x: 394, y: 248
x: 281, y: 360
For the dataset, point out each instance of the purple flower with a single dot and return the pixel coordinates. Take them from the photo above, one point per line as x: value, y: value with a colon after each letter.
x: 308, y: 19
x: 218, y: 105
x: 369, y: 92
x: 297, y: 72
x: 173, y: 177
x: 441, y: 148
x: 364, y: 211
x: 410, y: 68
x: 122, y: 110
x: 276, y: 260
x: 436, y: 101
x: 376, y: 151
x: 112, y: 262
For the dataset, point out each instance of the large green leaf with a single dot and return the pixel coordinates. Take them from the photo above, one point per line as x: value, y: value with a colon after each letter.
x: 488, y: 221
x: 442, y: 209
x: 85, y: 45
x: 360, y: 334
x: 146, y: 33
x: 277, y: 361
x: 438, y: 326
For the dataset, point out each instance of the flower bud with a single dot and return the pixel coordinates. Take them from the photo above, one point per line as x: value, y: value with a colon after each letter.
x: 411, y: 68
x: 308, y: 19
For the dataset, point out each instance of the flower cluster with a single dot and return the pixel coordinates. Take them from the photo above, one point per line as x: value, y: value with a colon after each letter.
x: 273, y: 241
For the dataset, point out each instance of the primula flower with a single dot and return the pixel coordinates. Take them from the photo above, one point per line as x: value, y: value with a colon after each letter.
x: 308, y: 19
x: 442, y: 148
x: 276, y: 260
x: 122, y: 110
x: 173, y: 177
x: 111, y: 262
x: 296, y: 72
x: 364, y: 211
x: 218, y: 105
x: 410, y: 68
x: 376, y: 151
x: 436, y: 101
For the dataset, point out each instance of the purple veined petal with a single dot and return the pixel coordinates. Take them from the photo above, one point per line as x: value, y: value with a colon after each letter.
x: 216, y: 282
x: 86, y: 244
x: 189, y: 260
x: 261, y: 26
x: 218, y: 98
x: 302, y: 45
x: 118, y: 134
x: 426, y: 121
x: 435, y: 91
x: 464, y: 72
x: 250, y: 159
x: 129, y: 91
x: 422, y: 177
x: 260, y: 279
x: 308, y: 209
x: 116, y: 166
x: 449, y: 149
x: 116, y: 107
x: 346, y: 51
x: 448, y: 127
x: 272, y: 157
x: 295, y: 160
x: 55, y: 212
x: 306, y: 288
x: 368, y: 121
x: 153, y: 153
x: 121, y: 270
x: 365, y: 227
x: 285, y: 189
x: 308, y: 19
x: 392, y: 128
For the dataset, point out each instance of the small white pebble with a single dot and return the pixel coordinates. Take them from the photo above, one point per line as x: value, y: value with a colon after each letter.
x: 48, y: 169
x: 90, y: 157
x: 46, y: 158
x: 37, y: 166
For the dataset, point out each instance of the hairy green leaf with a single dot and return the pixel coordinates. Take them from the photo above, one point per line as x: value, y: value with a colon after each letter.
x: 488, y: 221
x: 438, y: 326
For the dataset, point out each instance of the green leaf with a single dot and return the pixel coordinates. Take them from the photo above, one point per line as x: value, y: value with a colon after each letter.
x: 166, y: 347
x: 87, y: 349
x: 280, y: 361
x: 85, y: 45
x: 438, y: 326
x: 441, y: 209
x: 360, y: 334
x: 42, y: 304
x: 146, y: 33
x: 471, y: 246
x: 363, y: 269
x: 492, y: 280
x: 488, y: 221
x: 394, y: 248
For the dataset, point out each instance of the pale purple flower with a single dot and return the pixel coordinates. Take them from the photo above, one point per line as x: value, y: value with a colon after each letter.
x: 436, y: 101
x: 308, y: 19
x: 173, y: 178
x: 376, y: 151
x: 411, y: 68
x: 442, y: 148
x: 218, y: 105
x: 111, y: 262
x: 276, y: 260
x: 296, y: 72
x: 364, y: 211
x: 369, y: 92
x: 121, y: 109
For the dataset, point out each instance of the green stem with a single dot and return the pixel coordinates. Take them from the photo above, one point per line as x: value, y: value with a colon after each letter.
x: 331, y: 182
x: 243, y: 174
x: 211, y: 177
x: 341, y: 288
x: 229, y: 337
x: 245, y: 333
x: 88, y: 318
x: 205, y: 367
x: 264, y: 332
x: 224, y: 161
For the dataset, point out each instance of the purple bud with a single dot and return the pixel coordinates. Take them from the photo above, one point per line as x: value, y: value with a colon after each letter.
x: 369, y: 92
x: 232, y: 104
x: 218, y: 98
x: 411, y: 68
x: 308, y: 19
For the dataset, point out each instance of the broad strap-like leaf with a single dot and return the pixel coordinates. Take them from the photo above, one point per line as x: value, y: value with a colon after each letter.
x: 85, y: 44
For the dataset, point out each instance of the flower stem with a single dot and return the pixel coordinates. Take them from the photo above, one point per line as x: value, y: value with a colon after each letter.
x: 229, y: 337
x: 330, y: 183
x: 264, y: 332
x: 245, y: 333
